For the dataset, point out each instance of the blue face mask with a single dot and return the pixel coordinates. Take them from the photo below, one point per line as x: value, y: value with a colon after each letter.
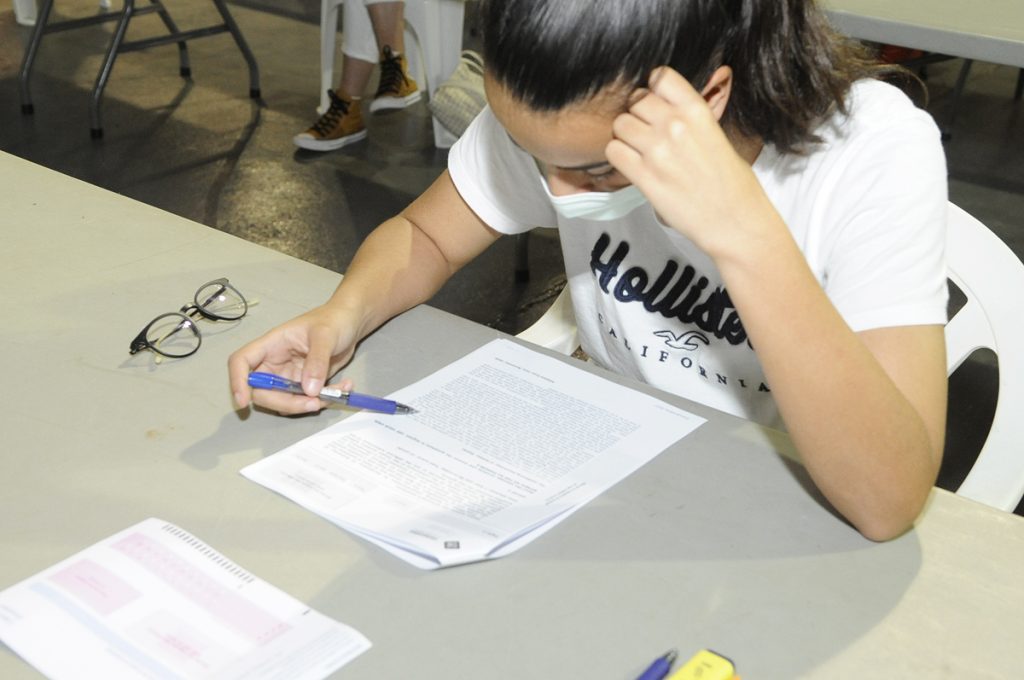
x: 602, y: 206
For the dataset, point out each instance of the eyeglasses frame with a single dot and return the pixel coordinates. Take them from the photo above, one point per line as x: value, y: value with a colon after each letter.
x: 186, y: 313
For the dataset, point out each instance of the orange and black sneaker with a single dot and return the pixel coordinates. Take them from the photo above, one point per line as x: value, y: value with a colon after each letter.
x: 397, y: 89
x: 341, y: 125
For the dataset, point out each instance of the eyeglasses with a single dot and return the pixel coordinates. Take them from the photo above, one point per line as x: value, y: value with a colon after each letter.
x: 176, y: 335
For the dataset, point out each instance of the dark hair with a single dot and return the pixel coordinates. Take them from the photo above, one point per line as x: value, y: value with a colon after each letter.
x: 790, y: 67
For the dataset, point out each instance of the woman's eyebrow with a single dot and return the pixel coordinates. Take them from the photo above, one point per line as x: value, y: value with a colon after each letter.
x: 577, y: 168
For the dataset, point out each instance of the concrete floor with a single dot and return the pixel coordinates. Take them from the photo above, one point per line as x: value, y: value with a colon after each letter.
x: 200, y: 148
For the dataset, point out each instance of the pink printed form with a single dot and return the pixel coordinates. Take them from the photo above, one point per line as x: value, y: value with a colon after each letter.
x: 224, y: 604
x: 96, y: 586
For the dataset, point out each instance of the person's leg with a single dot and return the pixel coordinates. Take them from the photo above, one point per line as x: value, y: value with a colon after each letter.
x: 397, y: 89
x: 342, y: 123
x: 388, y: 20
x: 359, y: 50
x: 355, y: 74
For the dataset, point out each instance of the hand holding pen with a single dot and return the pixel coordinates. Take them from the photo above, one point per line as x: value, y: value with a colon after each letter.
x: 269, y: 381
x: 308, y: 349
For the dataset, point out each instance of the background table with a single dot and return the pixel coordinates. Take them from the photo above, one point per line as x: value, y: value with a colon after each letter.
x: 990, y: 30
x: 719, y: 542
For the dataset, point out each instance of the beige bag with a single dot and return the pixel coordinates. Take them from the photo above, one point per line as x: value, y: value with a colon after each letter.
x: 457, y: 101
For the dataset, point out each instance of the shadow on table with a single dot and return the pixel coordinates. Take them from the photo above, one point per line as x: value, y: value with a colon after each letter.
x: 754, y: 565
x: 579, y: 600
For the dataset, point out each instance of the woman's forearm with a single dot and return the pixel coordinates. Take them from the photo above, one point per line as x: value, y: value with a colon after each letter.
x: 871, y: 443
x: 396, y: 268
x: 407, y: 259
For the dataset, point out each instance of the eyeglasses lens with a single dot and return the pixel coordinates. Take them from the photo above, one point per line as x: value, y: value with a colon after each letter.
x: 173, y: 335
x: 219, y: 300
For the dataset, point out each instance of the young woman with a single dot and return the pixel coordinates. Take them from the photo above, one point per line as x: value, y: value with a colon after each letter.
x: 748, y: 219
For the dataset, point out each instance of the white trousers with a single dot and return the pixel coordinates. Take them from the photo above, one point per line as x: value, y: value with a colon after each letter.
x: 358, y: 39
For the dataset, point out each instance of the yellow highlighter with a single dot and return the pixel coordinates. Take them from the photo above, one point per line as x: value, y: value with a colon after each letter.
x: 706, y: 665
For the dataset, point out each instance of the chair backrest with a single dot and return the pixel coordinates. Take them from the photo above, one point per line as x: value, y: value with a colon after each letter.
x: 992, y: 278
x: 556, y: 328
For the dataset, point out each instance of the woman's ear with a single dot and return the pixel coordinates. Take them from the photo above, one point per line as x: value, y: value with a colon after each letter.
x: 717, y: 90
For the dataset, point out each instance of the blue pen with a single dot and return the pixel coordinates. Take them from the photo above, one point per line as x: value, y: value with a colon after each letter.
x: 660, y: 667
x: 269, y: 381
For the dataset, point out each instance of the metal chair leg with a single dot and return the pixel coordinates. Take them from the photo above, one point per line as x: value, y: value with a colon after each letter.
x: 30, y: 56
x: 118, y: 45
x: 184, y: 67
x: 522, y: 254
x: 958, y: 90
x: 96, y: 129
x: 254, y: 71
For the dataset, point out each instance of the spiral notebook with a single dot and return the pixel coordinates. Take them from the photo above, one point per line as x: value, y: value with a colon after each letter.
x: 153, y: 601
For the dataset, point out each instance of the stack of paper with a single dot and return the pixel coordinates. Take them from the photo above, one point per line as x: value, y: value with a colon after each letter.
x: 153, y: 601
x: 506, y: 443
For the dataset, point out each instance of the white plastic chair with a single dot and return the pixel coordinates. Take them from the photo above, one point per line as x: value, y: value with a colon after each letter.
x: 25, y: 12
x: 436, y: 29
x: 556, y: 328
x: 992, y: 278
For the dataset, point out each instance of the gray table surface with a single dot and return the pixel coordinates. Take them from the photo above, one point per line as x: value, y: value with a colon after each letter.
x: 986, y: 30
x: 720, y: 542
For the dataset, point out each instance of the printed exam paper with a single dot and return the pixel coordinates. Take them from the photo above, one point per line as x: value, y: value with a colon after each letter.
x: 153, y: 601
x: 506, y: 443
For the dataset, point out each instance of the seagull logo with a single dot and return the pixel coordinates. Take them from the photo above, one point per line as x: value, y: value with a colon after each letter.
x: 688, y: 340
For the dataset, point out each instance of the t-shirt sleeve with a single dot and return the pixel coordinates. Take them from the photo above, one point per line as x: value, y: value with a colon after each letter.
x: 887, y: 256
x: 499, y: 181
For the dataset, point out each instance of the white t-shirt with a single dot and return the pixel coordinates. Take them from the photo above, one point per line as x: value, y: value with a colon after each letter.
x: 867, y: 207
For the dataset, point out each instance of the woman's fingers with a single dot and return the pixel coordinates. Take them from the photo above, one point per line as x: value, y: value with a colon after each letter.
x: 317, y: 364
x: 627, y: 160
x: 634, y: 131
x: 286, y: 403
x: 668, y: 84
